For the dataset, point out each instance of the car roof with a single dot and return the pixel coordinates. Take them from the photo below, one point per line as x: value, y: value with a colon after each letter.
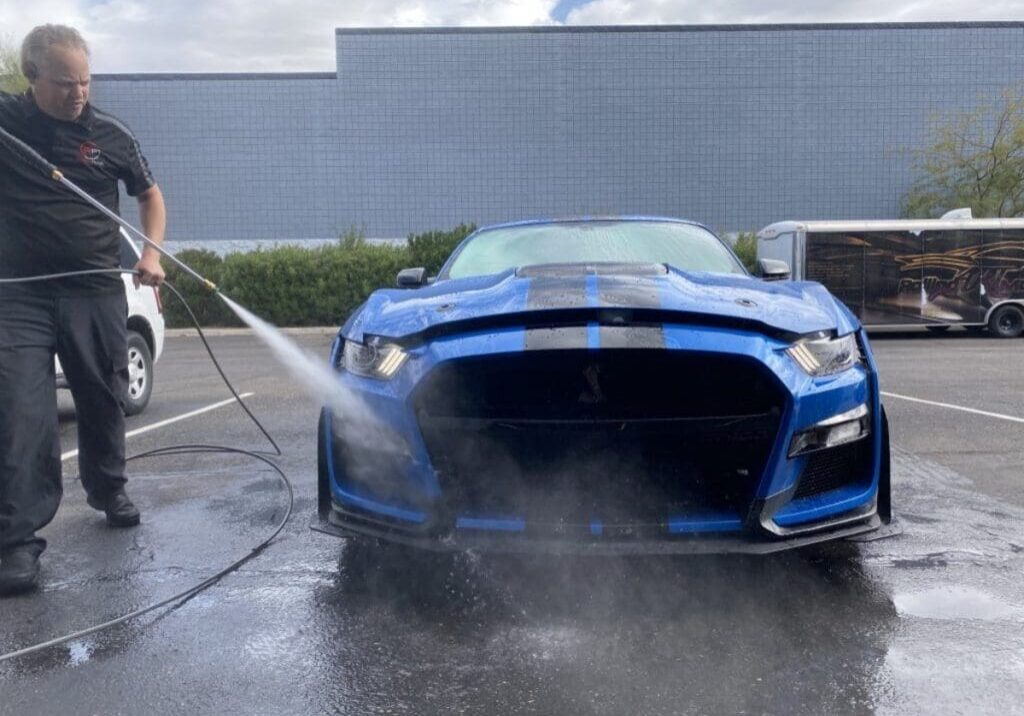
x: 590, y: 219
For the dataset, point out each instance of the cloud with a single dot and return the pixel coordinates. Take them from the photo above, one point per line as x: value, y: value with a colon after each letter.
x: 657, y: 12
x: 292, y: 35
x: 241, y: 35
x: 16, y: 18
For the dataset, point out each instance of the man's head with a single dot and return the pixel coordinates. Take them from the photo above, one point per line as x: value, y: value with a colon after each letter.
x: 55, y: 60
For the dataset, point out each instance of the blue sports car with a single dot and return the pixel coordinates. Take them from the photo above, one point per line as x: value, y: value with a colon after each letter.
x: 610, y: 385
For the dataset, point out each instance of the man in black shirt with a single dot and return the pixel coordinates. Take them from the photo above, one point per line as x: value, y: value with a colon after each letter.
x: 46, y: 229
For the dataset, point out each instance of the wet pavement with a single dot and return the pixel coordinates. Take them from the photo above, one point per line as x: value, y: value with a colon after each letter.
x: 931, y: 621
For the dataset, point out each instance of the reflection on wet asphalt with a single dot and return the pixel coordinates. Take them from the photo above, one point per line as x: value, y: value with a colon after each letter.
x: 930, y: 621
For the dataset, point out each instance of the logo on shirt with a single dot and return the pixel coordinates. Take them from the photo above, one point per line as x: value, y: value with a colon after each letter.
x: 90, y: 155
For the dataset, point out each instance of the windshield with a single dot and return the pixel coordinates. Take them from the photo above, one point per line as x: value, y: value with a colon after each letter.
x: 682, y: 246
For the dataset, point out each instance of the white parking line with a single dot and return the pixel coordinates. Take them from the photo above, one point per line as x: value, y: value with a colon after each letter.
x: 1000, y: 416
x: 184, y: 416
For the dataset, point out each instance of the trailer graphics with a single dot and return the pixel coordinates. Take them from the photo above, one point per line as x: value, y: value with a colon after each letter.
x: 905, y: 273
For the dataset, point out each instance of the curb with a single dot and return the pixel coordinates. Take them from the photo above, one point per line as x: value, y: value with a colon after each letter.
x: 295, y: 331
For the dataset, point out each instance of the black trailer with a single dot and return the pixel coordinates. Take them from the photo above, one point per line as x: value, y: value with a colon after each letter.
x: 934, y: 273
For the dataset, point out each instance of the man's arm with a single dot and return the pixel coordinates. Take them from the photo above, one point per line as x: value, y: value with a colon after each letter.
x: 154, y: 224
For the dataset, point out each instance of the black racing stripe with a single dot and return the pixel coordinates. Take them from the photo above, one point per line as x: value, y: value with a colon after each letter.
x: 628, y: 292
x: 556, y: 339
x: 561, y: 292
x: 651, y: 337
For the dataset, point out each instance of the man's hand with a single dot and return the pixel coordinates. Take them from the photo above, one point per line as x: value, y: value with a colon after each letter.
x: 150, y: 272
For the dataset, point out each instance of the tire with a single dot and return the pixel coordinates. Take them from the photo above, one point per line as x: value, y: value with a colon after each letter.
x: 937, y: 329
x: 140, y: 374
x: 1007, y: 321
x: 323, y: 487
x: 885, y: 479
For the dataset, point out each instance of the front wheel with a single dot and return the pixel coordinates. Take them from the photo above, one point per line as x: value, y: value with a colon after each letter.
x: 140, y: 374
x: 1007, y: 321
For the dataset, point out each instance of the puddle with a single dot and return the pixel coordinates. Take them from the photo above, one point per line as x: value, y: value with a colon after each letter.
x: 955, y: 602
x: 79, y: 652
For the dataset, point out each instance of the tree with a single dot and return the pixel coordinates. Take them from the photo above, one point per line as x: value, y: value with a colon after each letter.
x: 11, y: 79
x: 976, y: 161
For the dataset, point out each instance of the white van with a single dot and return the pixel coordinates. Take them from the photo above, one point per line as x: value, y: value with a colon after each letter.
x: 145, y: 333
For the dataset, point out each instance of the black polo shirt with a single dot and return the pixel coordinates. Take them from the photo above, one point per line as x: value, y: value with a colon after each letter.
x: 44, y: 227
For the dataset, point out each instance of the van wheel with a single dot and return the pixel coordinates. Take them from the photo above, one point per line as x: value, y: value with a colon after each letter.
x: 1007, y: 322
x: 140, y: 374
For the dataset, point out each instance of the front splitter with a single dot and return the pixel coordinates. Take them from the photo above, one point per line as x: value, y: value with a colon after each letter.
x: 871, y: 528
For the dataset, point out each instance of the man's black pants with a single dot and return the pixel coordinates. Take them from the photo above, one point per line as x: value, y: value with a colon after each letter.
x: 88, y: 333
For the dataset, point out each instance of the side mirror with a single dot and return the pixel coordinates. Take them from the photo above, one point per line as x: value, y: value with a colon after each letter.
x: 412, y: 278
x: 773, y: 270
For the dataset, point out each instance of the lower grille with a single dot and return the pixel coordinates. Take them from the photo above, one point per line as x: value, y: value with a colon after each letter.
x: 627, y: 436
x: 835, y: 468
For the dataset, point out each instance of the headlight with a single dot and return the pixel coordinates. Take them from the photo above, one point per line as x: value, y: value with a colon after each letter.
x: 838, y: 430
x: 826, y: 355
x: 373, y: 361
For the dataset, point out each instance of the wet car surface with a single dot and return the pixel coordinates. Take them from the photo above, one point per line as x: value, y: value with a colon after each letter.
x: 929, y: 621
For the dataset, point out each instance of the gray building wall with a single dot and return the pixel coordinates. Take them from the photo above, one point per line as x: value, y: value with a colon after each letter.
x: 733, y: 126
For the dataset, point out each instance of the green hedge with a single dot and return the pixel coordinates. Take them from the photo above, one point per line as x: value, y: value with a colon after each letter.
x: 292, y: 286
x: 295, y: 286
x: 430, y: 250
x: 209, y: 310
x: 746, y: 249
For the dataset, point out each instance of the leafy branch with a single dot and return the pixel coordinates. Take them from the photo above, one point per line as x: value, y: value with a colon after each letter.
x: 976, y: 161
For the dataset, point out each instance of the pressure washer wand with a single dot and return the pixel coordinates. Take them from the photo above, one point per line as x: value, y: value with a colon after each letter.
x: 31, y: 155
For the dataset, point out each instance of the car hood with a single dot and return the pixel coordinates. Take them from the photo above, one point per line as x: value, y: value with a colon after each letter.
x: 560, y: 294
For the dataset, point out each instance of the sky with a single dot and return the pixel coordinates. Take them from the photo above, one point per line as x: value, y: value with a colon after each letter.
x: 298, y: 35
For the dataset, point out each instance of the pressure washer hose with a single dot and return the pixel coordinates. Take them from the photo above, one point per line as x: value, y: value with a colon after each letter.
x: 29, y: 154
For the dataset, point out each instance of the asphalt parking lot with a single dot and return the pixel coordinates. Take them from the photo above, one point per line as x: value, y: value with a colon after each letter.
x: 931, y: 621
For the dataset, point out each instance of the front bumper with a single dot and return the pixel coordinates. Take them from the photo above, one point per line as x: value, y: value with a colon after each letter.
x: 779, y: 514
x: 339, y: 523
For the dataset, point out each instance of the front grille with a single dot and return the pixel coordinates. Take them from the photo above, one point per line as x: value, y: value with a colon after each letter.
x: 832, y: 469
x: 623, y: 436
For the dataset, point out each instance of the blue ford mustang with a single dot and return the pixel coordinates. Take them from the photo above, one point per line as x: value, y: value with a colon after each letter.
x: 608, y: 385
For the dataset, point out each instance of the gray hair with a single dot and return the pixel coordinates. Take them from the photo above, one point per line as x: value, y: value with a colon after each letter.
x: 38, y: 42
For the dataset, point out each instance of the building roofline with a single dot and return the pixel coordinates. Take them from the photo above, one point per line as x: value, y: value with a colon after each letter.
x: 166, y: 76
x: 553, y: 29
x: 818, y: 26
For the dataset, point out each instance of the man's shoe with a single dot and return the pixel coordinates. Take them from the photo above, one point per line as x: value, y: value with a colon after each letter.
x: 19, y: 570
x: 120, y: 510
